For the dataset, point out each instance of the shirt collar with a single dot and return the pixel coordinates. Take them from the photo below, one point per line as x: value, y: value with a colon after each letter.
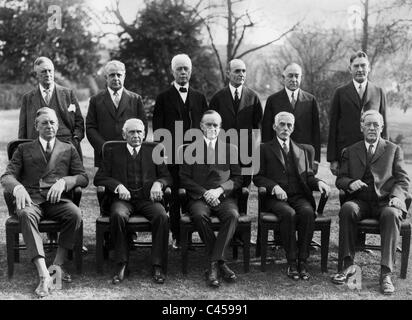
x: 208, y: 140
x: 44, y: 143
x: 281, y: 141
x: 375, y: 144
x: 51, y: 88
x: 178, y: 86
x: 120, y: 91
x: 363, y: 84
x: 295, y: 95
x: 232, y: 91
x: 130, y: 148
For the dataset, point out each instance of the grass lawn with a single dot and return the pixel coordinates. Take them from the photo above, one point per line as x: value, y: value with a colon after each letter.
x: 272, y: 284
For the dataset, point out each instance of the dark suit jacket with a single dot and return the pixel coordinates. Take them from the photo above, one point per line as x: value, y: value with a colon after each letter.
x: 103, y: 123
x: 31, y: 102
x: 387, y: 168
x: 167, y: 111
x: 249, y: 115
x: 28, y: 166
x: 306, y: 112
x: 273, y: 171
x: 197, y: 178
x: 113, y: 170
x: 345, y: 112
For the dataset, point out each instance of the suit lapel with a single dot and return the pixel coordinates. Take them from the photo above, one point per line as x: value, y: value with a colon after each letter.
x: 123, y: 103
x: 284, y: 101
x: 275, y: 147
x: 176, y: 99
x: 242, y: 102
x: 228, y: 100
x: 35, y: 99
x: 64, y: 114
x: 37, y: 155
x: 109, y: 103
x: 58, y: 148
x: 368, y: 93
x: 299, y: 158
x: 380, y: 150
x: 361, y: 152
x: 353, y: 94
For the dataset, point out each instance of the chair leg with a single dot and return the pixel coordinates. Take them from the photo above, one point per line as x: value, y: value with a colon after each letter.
x: 340, y: 251
x: 70, y: 255
x: 99, y: 248
x: 324, y: 249
x: 406, y: 242
x: 264, y: 233
x: 78, y: 256
x: 184, y: 238
x: 16, y: 247
x: 258, y: 243
x: 246, y: 249
x: 10, y: 238
x: 235, y: 251
x: 105, y: 244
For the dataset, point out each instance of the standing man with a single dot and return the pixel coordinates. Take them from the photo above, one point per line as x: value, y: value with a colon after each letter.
x: 348, y: 103
x: 211, y: 185
x: 301, y: 104
x: 286, y: 173
x: 62, y: 100
x: 178, y: 105
x: 39, y: 176
x: 373, y: 176
x: 135, y: 184
x: 110, y: 108
x: 239, y: 107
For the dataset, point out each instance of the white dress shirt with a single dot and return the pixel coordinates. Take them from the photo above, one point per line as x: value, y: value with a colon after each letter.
x: 43, y: 94
x: 362, y: 85
x: 295, y: 94
x: 119, y: 92
x: 374, y: 145
x: 232, y: 91
x: 183, y: 95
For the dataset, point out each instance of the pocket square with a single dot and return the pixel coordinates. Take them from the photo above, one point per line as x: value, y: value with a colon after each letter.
x: 71, y: 108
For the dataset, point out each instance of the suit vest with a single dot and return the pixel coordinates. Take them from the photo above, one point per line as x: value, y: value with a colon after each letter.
x: 63, y: 130
x: 134, y: 175
x: 293, y: 186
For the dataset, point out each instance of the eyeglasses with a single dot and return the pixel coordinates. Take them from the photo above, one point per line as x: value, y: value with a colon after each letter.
x: 209, y: 125
x: 375, y: 125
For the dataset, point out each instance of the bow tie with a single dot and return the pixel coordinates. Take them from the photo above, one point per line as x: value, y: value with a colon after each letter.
x: 182, y: 89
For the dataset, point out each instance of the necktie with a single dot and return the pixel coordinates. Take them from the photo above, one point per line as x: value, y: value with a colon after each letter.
x: 116, y: 99
x: 285, y: 147
x: 48, y: 151
x: 293, y: 101
x: 237, y: 101
x: 360, y: 91
x: 47, y: 96
x: 210, y: 153
x: 369, y: 155
x: 134, y: 155
x: 182, y: 89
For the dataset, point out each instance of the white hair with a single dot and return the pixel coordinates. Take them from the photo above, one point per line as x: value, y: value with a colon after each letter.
x: 371, y: 113
x: 184, y: 58
x: 116, y: 63
x: 284, y: 113
x: 131, y: 121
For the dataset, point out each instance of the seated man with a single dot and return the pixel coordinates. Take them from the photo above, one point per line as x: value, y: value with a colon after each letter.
x: 376, y: 184
x: 39, y: 175
x: 211, y: 184
x: 286, y: 173
x: 134, y: 184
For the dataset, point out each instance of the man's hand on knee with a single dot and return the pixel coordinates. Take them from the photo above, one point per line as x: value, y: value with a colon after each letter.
x: 56, y: 191
x: 22, y: 198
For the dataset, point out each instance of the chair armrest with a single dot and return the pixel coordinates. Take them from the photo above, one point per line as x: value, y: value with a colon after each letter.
x: 100, y: 190
x: 77, y: 195
x: 182, y: 194
x: 9, y: 199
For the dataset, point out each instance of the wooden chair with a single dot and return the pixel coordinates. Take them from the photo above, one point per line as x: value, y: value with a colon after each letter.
x: 371, y: 226
x: 13, y: 228
x: 243, y: 230
x: 269, y: 221
x: 136, y: 223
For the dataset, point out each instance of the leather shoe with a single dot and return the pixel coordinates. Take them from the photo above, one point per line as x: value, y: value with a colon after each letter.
x: 227, y: 273
x: 303, y: 271
x: 66, y: 277
x: 386, y: 284
x: 292, y: 272
x: 158, y: 276
x: 342, y: 277
x: 120, y: 273
x: 212, y: 275
x: 43, y: 287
